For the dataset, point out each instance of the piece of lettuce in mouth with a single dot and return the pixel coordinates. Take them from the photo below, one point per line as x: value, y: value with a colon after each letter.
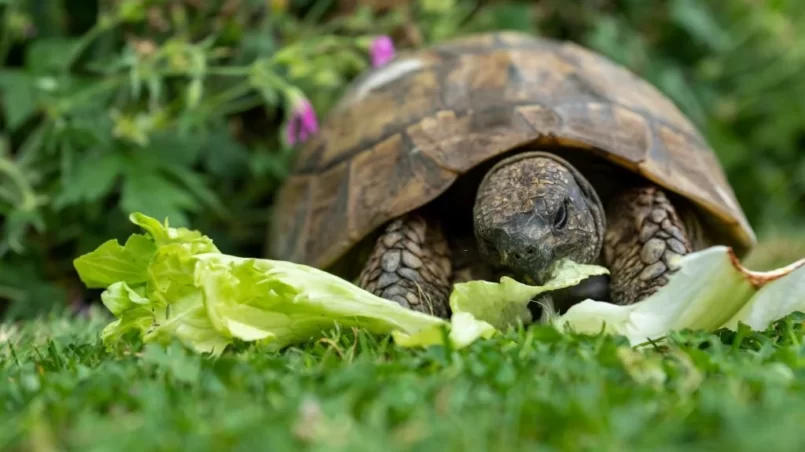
x: 499, y: 306
x: 505, y: 303
x: 174, y: 283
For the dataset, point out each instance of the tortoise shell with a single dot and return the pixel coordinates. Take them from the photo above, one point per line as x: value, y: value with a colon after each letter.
x: 402, y: 134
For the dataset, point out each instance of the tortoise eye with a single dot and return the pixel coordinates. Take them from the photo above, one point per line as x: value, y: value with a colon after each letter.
x: 560, y: 220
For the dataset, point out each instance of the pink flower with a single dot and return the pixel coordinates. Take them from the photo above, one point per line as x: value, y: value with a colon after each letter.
x: 381, y: 51
x: 303, y: 121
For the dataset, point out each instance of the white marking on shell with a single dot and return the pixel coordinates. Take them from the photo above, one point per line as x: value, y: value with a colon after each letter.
x: 380, y: 77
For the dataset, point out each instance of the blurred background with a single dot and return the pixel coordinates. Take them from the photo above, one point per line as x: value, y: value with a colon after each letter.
x: 178, y: 108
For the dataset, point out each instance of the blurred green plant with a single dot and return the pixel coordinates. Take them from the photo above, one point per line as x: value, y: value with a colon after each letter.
x: 190, y: 109
x: 173, y: 108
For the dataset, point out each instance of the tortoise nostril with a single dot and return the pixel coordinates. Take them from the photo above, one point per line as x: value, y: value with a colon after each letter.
x: 518, y: 256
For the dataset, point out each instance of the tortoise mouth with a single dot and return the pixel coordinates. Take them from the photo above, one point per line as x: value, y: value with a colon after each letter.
x: 527, y: 265
x: 535, y: 279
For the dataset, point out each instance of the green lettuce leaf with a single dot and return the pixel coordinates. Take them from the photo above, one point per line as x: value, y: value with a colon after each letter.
x: 782, y: 294
x: 281, y: 303
x: 482, y: 308
x: 111, y: 263
x: 504, y: 304
x: 710, y: 291
x: 464, y: 329
x: 184, y: 319
x: 173, y: 283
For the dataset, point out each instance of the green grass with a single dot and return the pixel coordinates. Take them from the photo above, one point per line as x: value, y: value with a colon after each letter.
x: 60, y: 389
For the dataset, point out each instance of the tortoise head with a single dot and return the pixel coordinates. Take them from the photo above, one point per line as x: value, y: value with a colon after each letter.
x: 533, y: 209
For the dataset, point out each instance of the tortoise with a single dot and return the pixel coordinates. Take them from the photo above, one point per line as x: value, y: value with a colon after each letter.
x: 500, y: 154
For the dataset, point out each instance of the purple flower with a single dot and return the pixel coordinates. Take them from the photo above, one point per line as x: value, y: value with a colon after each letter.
x: 303, y: 121
x: 381, y: 50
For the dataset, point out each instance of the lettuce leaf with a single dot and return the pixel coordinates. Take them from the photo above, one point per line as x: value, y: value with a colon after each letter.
x: 184, y: 319
x: 111, y: 263
x: 464, y: 330
x: 173, y: 283
x: 504, y: 304
x: 282, y: 303
x: 710, y: 291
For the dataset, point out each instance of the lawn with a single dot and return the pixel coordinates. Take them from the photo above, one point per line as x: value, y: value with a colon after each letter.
x: 534, y: 388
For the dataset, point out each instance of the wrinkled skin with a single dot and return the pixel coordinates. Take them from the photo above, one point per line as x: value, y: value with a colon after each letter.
x: 534, y: 209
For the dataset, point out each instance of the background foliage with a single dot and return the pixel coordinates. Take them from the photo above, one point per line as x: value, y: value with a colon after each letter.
x: 176, y: 107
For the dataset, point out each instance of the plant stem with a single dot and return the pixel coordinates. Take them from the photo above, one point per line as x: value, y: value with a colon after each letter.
x: 230, y: 94
x: 28, y: 197
x: 239, y: 106
x: 228, y: 71
x: 87, y: 38
x: 100, y: 87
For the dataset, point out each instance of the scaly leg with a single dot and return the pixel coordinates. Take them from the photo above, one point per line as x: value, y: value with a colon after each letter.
x: 410, y: 264
x: 646, y: 236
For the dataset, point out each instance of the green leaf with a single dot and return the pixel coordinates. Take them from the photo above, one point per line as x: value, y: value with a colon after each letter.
x: 149, y: 285
x: 197, y: 186
x: 18, y: 95
x: 119, y: 297
x: 16, y: 226
x: 147, y: 190
x: 164, y: 234
x: 26, y: 289
x: 184, y: 288
x: 505, y: 303
x: 671, y: 81
x: 46, y: 55
x: 172, y: 149
x: 709, y: 291
x: 170, y: 156
x: 111, y: 263
x: 464, y: 329
x: 695, y: 18
x: 92, y: 179
x: 161, y: 321
x: 281, y: 303
x: 223, y: 156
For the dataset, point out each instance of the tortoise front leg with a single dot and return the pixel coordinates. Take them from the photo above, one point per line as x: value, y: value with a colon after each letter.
x: 410, y: 264
x: 646, y: 236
